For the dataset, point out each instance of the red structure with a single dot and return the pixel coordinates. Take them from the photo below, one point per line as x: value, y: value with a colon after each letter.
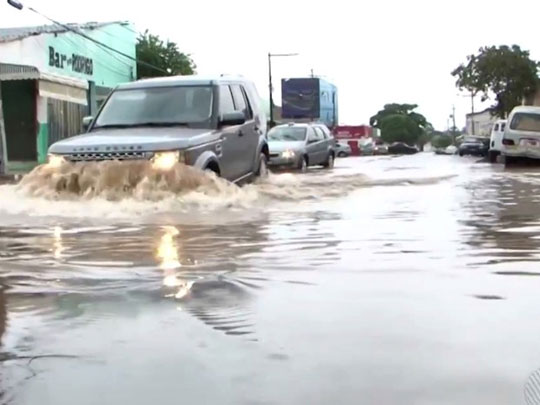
x: 352, y: 134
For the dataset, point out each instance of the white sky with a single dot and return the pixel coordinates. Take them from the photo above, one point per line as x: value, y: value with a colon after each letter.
x: 375, y: 51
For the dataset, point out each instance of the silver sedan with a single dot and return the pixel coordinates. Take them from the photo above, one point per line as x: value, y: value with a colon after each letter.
x: 297, y: 146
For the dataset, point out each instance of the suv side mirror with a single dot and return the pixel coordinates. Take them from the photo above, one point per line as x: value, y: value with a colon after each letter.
x: 86, y: 121
x: 233, y: 118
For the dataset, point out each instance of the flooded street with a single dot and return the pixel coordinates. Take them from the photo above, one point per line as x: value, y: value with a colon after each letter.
x: 389, y: 280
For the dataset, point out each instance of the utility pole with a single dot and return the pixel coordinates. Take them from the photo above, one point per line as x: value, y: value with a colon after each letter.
x: 454, y: 124
x: 472, y: 113
x: 270, y: 88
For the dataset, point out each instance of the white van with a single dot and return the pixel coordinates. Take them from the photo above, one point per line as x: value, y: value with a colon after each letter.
x: 522, y: 134
x: 495, y: 143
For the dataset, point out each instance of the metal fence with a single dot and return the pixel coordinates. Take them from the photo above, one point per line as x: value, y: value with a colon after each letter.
x: 65, y: 119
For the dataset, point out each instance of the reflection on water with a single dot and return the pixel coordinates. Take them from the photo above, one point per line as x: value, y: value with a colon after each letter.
x: 383, y: 268
x: 167, y: 253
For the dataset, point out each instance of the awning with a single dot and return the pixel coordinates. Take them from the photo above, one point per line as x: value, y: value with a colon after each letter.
x: 63, y: 88
x: 50, y: 85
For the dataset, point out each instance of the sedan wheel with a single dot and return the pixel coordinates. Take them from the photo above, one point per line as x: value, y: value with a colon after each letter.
x: 303, y: 166
x: 342, y: 154
x: 329, y: 162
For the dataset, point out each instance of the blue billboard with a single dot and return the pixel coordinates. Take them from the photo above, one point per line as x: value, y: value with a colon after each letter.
x: 311, y: 99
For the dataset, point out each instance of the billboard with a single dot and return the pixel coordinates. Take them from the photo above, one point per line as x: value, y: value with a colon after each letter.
x: 300, y: 98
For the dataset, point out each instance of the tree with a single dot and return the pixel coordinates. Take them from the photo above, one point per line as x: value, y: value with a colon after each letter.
x: 164, y: 55
x: 507, y: 72
x: 441, y: 141
x: 399, y: 123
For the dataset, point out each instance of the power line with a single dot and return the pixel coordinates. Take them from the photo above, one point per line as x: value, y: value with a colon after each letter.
x: 82, y: 34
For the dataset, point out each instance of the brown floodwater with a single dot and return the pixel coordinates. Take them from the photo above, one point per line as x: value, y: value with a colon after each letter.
x: 388, y: 280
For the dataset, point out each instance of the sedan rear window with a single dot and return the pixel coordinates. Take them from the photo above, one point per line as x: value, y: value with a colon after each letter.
x: 526, y: 122
x: 287, y: 134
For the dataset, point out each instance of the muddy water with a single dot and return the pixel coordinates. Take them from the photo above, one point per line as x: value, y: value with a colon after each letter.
x: 410, y: 280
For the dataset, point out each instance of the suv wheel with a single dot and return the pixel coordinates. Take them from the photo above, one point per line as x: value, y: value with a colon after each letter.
x: 262, y: 170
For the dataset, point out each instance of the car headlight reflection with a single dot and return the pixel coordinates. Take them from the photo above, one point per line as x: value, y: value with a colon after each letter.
x: 166, y: 160
x: 288, y: 154
x: 55, y: 161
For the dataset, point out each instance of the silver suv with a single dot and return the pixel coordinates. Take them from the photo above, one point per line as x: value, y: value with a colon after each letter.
x: 213, y: 123
x: 298, y: 146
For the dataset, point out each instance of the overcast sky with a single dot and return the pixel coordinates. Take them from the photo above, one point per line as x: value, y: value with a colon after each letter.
x: 375, y: 51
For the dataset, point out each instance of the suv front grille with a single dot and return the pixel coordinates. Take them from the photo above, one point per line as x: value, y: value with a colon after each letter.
x: 98, y: 157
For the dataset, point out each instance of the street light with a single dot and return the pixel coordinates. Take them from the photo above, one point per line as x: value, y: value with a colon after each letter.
x: 270, y: 87
x: 16, y: 4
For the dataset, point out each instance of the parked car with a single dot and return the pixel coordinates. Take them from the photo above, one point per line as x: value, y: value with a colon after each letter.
x: 367, y: 149
x: 495, y: 145
x: 521, y: 137
x: 401, y: 148
x: 343, y: 149
x: 474, y: 146
x: 380, y: 150
x: 213, y: 123
x: 298, y: 146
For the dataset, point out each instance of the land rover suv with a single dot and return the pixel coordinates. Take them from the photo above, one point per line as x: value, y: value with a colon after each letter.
x: 214, y: 123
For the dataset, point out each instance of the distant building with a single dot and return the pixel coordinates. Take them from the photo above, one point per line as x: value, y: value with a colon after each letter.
x: 51, y: 77
x: 481, y: 122
x: 356, y: 136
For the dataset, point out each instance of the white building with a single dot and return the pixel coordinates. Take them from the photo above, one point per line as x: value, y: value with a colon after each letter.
x: 480, y: 123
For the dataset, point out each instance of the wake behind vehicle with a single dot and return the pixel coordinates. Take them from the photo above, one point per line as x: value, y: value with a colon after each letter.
x: 401, y: 148
x: 297, y: 146
x: 521, y: 137
x: 474, y: 146
x: 495, y: 145
x: 213, y: 123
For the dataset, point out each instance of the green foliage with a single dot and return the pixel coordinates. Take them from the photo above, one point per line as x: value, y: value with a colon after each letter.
x: 507, y: 72
x: 164, y: 55
x: 441, y: 141
x: 399, y: 123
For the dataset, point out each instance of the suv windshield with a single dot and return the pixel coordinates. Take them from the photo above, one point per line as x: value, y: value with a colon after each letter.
x: 526, y: 122
x: 287, y: 134
x: 158, y: 106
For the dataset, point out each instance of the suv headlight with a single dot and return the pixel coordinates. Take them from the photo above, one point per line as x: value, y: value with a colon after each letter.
x: 55, y: 161
x: 167, y: 160
x: 288, y: 154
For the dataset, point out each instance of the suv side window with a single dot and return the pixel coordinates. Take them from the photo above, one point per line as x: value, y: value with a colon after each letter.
x: 503, y: 126
x: 226, y: 104
x: 240, y: 101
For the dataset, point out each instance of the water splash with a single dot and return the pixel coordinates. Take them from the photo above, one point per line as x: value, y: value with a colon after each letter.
x: 116, y: 180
